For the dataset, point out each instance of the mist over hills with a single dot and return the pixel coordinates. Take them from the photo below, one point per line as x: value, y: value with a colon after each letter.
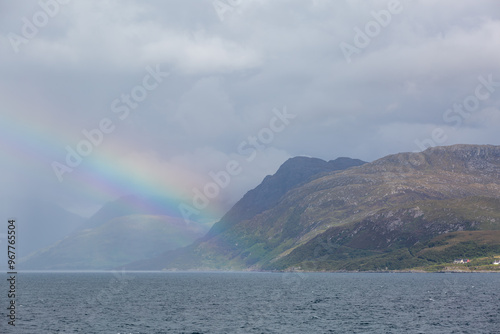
x: 293, y: 173
x: 133, y: 228
x: 128, y: 229
x: 39, y: 223
x: 407, y: 210
x: 380, y: 215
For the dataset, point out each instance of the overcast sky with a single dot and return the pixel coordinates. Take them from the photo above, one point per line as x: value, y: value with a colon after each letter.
x: 182, y: 88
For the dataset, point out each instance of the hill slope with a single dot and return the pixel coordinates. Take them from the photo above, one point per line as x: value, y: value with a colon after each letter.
x: 292, y: 174
x: 367, y: 217
x: 39, y: 223
x: 117, y: 234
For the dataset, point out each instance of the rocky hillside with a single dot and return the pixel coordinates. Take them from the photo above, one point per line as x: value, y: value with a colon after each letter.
x: 292, y: 174
x: 380, y: 215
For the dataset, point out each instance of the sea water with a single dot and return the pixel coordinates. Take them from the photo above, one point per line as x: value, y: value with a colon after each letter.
x: 222, y: 302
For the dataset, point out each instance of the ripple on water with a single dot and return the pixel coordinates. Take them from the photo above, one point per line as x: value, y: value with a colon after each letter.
x: 257, y: 303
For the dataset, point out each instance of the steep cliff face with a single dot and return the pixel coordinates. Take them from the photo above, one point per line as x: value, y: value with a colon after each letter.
x: 365, y: 212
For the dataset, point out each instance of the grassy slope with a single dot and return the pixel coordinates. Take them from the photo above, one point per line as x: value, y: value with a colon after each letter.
x: 376, y: 244
x: 481, y: 247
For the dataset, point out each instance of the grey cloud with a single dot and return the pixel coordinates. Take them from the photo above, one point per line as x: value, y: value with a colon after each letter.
x: 225, y: 79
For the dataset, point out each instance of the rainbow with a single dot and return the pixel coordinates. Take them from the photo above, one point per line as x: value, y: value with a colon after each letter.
x: 107, y: 173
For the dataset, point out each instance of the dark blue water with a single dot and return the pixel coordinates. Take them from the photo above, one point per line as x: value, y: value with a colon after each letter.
x: 253, y: 303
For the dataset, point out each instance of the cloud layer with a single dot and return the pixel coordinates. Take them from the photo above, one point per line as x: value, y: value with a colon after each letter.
x: 230, y: 64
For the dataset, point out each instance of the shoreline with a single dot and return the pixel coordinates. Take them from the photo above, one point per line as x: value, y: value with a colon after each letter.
x: 208, y: 270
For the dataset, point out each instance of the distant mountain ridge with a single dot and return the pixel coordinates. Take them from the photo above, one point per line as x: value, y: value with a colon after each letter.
x: 39, y: 223
x: 131, y: 205
x: 379, y: 215
x: 120, y: 232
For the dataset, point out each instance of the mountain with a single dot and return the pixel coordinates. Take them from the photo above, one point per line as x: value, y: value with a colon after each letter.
x: 125, y: 230
x: 39, y: 223
x: 134, y: 205
x: 294, y: 173
x: 388, y: 214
